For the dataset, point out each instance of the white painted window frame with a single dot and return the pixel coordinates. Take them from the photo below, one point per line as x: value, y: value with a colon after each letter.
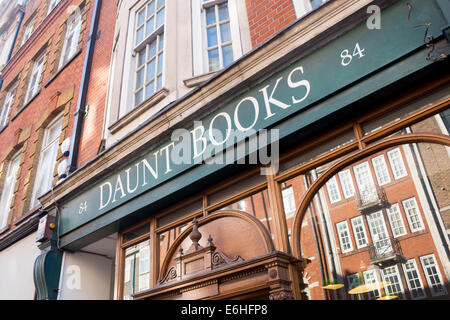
x: 344, y: 239
x: 394, y: 272
x: 348, y: 188
x: 408, y: 214
x: 415, y: 269
x: 35, y: 77
x: 381, y: 170
x: 7, y: 106
x: 27, y: 33
x: 9, y: 184
x: 359, y: 222
x: 73, y: 31
x: 397, y: 164
x: 333, y: 190
x: 199, y: 40
x: 428, y: 276
x: 53, y: 146
x: 391, y: 211
x: 363, y: 181
x: 127, y: 101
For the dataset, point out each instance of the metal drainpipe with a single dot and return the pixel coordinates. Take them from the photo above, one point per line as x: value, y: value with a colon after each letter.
x: 81, y: 104
x: 21, y: 15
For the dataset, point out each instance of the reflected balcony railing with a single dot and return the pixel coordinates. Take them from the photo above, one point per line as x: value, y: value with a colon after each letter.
x: 386, y: 252
x: 370, y: 199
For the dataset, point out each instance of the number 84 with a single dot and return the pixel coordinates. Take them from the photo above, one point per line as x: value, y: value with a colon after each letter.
x: 347, y: 58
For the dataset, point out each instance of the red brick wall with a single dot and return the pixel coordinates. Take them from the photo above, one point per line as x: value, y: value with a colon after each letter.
x: 267, y: 17
x: 66, y: 81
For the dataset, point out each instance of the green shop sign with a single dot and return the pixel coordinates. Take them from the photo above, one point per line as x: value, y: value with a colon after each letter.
x: 342, y: 63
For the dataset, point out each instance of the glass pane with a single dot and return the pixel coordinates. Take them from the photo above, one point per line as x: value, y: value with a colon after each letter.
x: 160, y: 63
x: 223, y: 12
x: 213, y: 58
x: 151, y: 70
x: 160, y: 18
x: 150, y: 26
x: 141, y: 18
x: 161, y: 42
x: 140, y: 35
x: 152, y: 50
x: 161, y: 3
x: 140, y: 78
x: 227, y: 55
x: 137, y: 269
x: 151, y: 9
x: 316, y: 3
x: 159, y: 82
x: 136, y: 233
x: 141, y: 58
x: 210, y: 16
x: 138, y: 98
x: 149, y: 89
x: 225, y: 33
x: 211, y: 34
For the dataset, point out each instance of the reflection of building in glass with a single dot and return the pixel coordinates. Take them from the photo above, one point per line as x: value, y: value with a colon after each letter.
x: 376, y: 212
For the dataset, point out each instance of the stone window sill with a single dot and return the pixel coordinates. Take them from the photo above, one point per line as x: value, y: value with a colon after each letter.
x: 198, y: 80
x: 139, y: 110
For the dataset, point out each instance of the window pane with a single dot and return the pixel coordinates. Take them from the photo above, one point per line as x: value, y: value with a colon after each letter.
x: 136, y: 233
x: 161, y: 3
x: 227, y: 54
x: 140, y: 78
x: 150, y: 27
x: 140, y: 35
x: 160, y: 17
x: 141, y: 18
x: 160, y: 63
x: 141, y: 58
x: 138, y: 97
x: 151, y: 50
x: 151, y: 9
x: 225, y: 33
x: 159, y: 82
x: 149, y: 89
x: 223, y: 12
x: 151, y: 70
x: 212, y: 36
x: 137, y: 269
x: 161, y: 42
x: 210, y: 16
x: 213, y: 58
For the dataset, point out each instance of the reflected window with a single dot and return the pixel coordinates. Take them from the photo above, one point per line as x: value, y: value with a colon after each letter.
x: 347, y: 183
x: 413, y: 280
x: 360, y: 232
x: 288, y: 201
x: 344, y: 236
x: 137, y: 269
x: 333, y: 190
x: 364, y: 179
x: 381, y: 170
x: 433, y: 275
x: 397, y: 165
x: 392, y: 275
x: 396, y: 221
x: 413, y: 215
